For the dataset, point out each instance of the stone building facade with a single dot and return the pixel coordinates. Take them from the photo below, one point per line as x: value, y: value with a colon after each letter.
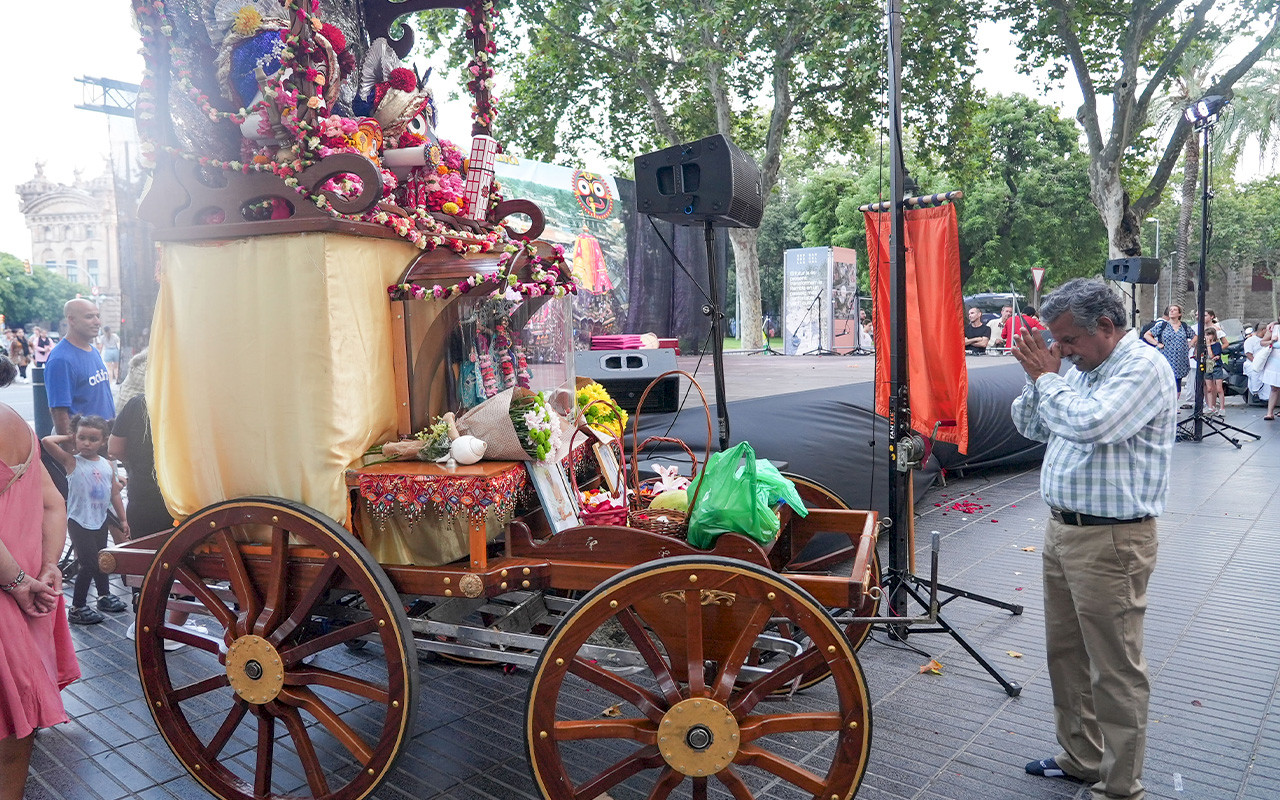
x: 74, y: 234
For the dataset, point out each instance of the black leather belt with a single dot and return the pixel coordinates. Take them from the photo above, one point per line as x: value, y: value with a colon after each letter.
x: 1076, y: 518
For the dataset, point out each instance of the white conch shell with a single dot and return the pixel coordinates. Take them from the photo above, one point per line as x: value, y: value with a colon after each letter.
x: 468, y: 449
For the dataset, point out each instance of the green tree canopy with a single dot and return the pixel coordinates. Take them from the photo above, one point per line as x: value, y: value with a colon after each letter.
x: 1127, y: 51
x: 629, y: 76
x: 38, y: 297
x: 1026, y: 198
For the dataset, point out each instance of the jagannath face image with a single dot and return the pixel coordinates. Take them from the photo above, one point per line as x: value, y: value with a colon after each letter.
x: 593, y: 194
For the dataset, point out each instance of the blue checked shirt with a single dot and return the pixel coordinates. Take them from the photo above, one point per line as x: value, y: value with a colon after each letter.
x: 1110, y: 433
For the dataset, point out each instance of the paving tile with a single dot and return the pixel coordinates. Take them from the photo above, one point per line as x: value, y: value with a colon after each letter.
x: 951, y: 737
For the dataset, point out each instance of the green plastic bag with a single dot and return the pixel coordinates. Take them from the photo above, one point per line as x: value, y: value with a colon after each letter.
x: 737, y: 495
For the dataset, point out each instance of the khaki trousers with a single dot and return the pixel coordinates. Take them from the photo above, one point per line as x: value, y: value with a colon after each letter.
x: 1095, y: 598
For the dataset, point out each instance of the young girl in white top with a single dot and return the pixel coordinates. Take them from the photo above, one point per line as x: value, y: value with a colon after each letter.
x: 92, y: 488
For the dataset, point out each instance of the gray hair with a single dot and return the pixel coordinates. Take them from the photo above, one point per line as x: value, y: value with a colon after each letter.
x: 1087, y: 300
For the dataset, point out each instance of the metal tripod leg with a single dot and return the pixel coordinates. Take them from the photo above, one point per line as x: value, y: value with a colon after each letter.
x: 909, y: 582
x: 1186, y: 429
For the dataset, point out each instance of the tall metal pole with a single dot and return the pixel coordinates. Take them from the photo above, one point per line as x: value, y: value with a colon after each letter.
x: 900, y: 500
x: 713, y: 311
x: 1202, y: 279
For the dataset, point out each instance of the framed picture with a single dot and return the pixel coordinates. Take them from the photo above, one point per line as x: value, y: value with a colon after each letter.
x: 555, y: 494
x: 610, y: 472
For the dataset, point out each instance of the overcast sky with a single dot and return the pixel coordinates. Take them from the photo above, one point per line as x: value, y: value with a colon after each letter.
x: 40, y: 65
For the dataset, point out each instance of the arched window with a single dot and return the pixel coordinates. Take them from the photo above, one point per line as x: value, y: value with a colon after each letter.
x: 88, y: 231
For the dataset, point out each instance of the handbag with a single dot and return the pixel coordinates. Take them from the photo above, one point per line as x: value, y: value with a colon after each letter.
x: 1261, y: 358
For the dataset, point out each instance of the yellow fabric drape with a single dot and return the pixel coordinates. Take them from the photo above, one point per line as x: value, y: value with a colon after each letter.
x: 270, y: 369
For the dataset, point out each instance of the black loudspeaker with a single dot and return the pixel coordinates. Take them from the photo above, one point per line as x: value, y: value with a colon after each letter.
x: 626, y: 373
x: 709, y: 180
x: 1133, y: 270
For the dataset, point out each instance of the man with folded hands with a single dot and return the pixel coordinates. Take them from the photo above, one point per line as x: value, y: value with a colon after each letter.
x: 1109, y: 424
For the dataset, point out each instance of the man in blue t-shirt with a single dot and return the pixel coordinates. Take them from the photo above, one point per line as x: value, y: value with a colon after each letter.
x: 75, y: 379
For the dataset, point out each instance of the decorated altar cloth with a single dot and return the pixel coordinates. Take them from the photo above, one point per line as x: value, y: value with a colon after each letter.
x: 412, y: 512
x: 270, y: 369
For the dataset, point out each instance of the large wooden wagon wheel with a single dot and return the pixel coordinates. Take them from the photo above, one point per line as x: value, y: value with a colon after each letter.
x: 272, y: 705
x: 693, y: 715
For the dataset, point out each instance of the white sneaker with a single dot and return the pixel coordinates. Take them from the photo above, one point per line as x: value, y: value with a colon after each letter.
x: 132, y: 631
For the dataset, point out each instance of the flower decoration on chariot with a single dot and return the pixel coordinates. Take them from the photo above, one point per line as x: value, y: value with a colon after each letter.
x: 252, y: 41
x: 396, y: 96
x: 593, y: 194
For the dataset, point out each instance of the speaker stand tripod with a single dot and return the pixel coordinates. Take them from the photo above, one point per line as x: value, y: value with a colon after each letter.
x: 1193, y: 427
x: 898, y: 581
x: 795, y: 335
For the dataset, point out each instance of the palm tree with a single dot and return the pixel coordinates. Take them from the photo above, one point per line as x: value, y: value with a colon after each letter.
x: 1255, y: 114
x: 1187, y: 83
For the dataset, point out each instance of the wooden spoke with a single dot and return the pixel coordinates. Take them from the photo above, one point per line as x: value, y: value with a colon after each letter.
x: 630, y: 622
x: 699, y: 789
x: 649, y: 705
x: 637, y: 729
x: 794, y: 667
x: 274, y: 591
x: 239, y: 707
x: 241, y: 584
x: 306, y: 603
x: 732, y: 781
x: 669, y: 780
x: 200, y: 641
x: 306, y: 752
x: 292, y: 655
x: 619, y: 771
x: 741, y: 649
x: 274, y: 603
x: 266, y: 755
x: 318, y: 676
x: 755, y: 727
x: 193, y: 584
x: 304, y: 698
x: 775, y: 764
x: 744, y: 601
x: 198, y: 688
x: 693, y: 642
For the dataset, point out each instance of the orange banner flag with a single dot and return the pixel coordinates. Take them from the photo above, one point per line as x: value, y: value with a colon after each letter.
x: 936, y: 369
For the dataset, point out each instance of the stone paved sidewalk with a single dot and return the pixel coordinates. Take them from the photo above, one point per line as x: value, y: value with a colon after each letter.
x: 1212, y: 644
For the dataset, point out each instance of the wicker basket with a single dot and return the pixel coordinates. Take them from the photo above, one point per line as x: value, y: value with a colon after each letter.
x: 665, y: 521
x: 611, y: 516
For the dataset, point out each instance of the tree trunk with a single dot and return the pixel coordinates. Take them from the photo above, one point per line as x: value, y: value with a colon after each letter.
x: 746, y: 261
x: 1109, y: 198
x: 1182, y: 243
x: 1239, y: 279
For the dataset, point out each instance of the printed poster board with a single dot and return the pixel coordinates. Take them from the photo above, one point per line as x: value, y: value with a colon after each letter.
x: 807, y: 305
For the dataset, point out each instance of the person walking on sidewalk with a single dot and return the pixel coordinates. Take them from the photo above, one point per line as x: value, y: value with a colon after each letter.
x: 1173, y: 337
x: 1109, y: 425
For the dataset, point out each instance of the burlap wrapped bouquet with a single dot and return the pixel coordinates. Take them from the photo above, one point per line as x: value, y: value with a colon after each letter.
x: 518, y: 425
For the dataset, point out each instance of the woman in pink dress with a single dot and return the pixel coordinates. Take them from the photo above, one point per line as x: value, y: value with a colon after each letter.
x: 37, y: 658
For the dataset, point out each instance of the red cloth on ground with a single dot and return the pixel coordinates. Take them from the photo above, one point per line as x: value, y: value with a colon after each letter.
x: 939, y: 380
x: 37, y: 657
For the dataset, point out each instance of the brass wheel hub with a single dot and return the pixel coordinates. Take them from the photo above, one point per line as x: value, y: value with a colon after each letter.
x: 254, y: 669
x: 698, y: 737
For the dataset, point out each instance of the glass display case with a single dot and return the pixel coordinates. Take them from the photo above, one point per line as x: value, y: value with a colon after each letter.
x: 463, y: 350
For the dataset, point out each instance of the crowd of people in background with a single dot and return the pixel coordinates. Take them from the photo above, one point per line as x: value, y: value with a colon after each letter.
x: 1175, y: 338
